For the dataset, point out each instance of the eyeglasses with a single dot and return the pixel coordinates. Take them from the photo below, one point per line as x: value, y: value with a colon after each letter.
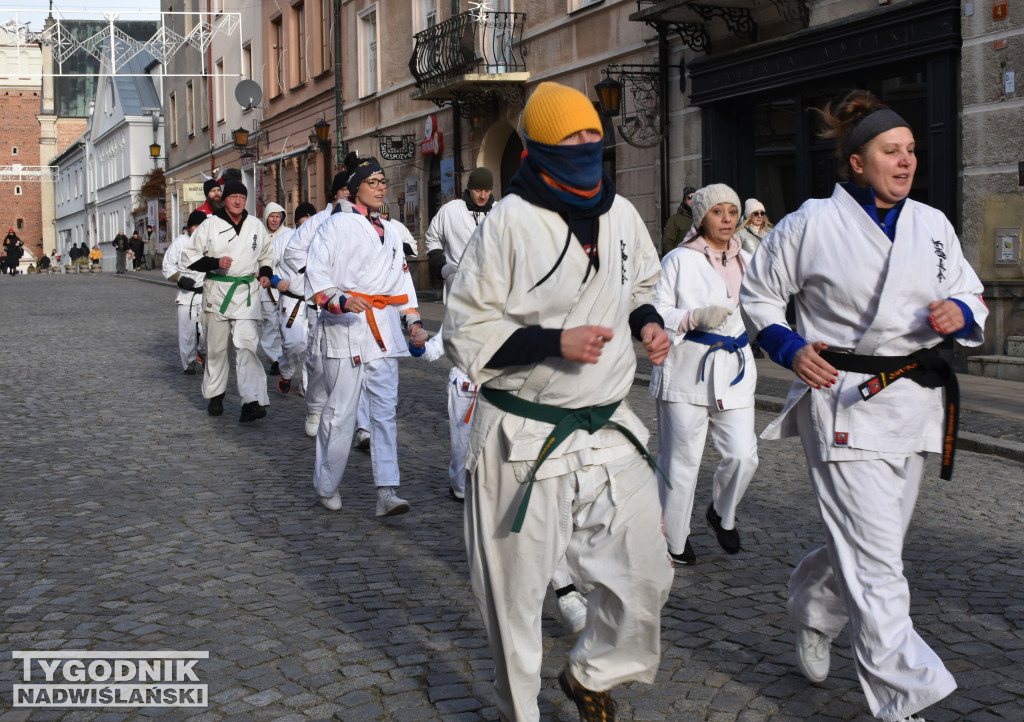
x: 757, y: 213
x: 375, y: 182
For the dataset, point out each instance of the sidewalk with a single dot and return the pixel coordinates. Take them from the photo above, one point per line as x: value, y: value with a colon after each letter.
x: 991, y: 410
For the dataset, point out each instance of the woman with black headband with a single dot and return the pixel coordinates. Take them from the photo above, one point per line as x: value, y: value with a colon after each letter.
x: 878, y: 280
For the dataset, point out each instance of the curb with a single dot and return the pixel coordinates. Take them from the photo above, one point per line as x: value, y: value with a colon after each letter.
x: 966, y: 440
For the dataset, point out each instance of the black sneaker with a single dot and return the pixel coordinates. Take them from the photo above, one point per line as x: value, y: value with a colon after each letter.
x: 190, y: 370
x: 216, y: 406
x: 275, y: 370
x: 252, y: 411
x: 687, y: 558
x: 593, y: 706
x: 284, y: 385
x: 728, y: 539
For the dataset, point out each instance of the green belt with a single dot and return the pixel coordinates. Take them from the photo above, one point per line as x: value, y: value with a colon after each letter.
x: 565, y: 421
x: 235, y: 282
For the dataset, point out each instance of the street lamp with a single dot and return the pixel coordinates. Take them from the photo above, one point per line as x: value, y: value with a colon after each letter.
x: 322, y: 135
x: 154, y: 153
x: 240, y: 136
x: 609, y: 96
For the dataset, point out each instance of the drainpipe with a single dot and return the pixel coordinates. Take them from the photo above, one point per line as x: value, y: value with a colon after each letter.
x: 339, y: 87
x: 666, y: 183
x: 209, y: 89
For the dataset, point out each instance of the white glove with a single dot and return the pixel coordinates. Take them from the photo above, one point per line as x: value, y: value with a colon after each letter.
x: 448, y: 269
x: 710, y: 317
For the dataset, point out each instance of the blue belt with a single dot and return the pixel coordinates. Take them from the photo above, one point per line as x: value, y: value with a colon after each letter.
x: 720, y: 343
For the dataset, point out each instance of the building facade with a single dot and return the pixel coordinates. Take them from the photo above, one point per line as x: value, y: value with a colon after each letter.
x: 200, y: 104
x: 20, y: 192
x: 299, y: 45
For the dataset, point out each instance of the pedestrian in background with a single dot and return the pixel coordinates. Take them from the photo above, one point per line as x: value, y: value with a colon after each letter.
x: 679, y: 223
x: 755, y: 225
x: 120, y: 244
x: 95, y: 256
x: 879, y: 280
x: 151, y: 248
x: 138, y: 248
x: 709, y: 377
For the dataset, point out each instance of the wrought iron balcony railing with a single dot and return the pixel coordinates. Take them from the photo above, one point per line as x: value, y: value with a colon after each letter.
x: 471, y: 43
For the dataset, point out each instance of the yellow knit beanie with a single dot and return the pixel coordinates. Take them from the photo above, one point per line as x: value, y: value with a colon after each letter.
x: 556, y: 111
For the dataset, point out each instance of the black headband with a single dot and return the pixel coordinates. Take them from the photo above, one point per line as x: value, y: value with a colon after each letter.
x: 871, y: 125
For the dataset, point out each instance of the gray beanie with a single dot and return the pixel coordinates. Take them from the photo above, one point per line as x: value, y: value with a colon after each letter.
x: 710, y: 196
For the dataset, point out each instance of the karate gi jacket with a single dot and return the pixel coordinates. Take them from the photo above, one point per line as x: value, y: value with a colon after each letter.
x: 347, y: 255
x: 249, y: 249
x: 859, y: 292
x: 172, y: 266
x: 492, y: 297
x: 689, y: 282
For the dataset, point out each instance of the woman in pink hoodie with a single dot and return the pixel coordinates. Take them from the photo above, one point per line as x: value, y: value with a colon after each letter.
x: 709, y: 376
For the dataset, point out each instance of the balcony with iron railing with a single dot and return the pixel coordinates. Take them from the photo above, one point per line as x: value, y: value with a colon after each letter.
x: 470, y: 53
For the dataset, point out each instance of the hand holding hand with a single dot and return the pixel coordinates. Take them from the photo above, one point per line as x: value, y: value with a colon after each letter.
x: 584, y: 343
x: 710, y: 317
x: 946, y: 317
x: 283, y: 286
x: 812, y: 368
x: 656, y: 343
x: 265, y: 282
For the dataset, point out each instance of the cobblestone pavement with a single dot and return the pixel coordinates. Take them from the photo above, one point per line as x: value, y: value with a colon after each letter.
x: 134, y: 521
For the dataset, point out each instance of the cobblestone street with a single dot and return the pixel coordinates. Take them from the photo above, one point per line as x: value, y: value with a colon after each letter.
x: 132, y: 520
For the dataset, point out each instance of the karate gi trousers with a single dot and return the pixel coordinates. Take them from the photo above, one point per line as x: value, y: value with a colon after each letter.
x: 316, y: 389
x: 190, y: 330
x: 460, y: 406
x: 270, y: 325
x: 294, y: 341
x: 857, y: 577
x: 345, y: 384
x: 249, y: 373
x: 605, y: 520
x: 682, y: 430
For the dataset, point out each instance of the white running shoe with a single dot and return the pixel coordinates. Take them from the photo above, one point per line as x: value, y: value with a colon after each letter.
x: 389, y: 503
x: 573, y: 608
x: 312, y: 424
x: 915, y: 719
x: 362, y: 439
x: 813, y: 649
x: 332, y: 502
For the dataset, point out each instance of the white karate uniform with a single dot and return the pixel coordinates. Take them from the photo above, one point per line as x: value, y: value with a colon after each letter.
x: 687, y: 404
x: 249, y: 250
x: 462, y: 395
x: 346, y: 256
x: 595, y: 500
x: 293, y: 262
x: 858, y: 291
x: 188, y: 304
x: 270, y: 321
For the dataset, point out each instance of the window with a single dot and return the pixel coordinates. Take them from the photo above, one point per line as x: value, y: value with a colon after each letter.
x: 203, y: 107
x: 277, y: 69
x: 190, y: 109
x: 21, y: 223
x: 173, y: 118
x: 219, y: 100
x: 299, y: 22
x: 327, y: 39
x: 368, y: 51
x: 575, y: 5
x: 17, y: 190
x: 427, y: 16
x: 247, y: 62
x: 14, y: 150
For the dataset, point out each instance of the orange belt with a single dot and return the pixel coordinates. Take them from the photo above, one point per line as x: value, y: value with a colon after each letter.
x: 378, y: 302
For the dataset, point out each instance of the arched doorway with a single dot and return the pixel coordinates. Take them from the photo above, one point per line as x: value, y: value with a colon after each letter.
x: 510, y: 159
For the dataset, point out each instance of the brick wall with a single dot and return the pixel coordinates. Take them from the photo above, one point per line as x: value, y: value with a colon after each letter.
x: 19, y: 129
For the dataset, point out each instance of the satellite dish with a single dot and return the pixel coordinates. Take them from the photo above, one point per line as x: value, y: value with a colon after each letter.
x: 248, y: 94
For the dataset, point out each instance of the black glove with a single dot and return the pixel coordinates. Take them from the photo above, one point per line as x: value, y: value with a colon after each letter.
x: 435, y: 262
x: 186, y: 284
x: 407, y: 249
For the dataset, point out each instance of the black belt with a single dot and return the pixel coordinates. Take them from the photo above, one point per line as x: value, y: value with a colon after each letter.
x: 925, y: 368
